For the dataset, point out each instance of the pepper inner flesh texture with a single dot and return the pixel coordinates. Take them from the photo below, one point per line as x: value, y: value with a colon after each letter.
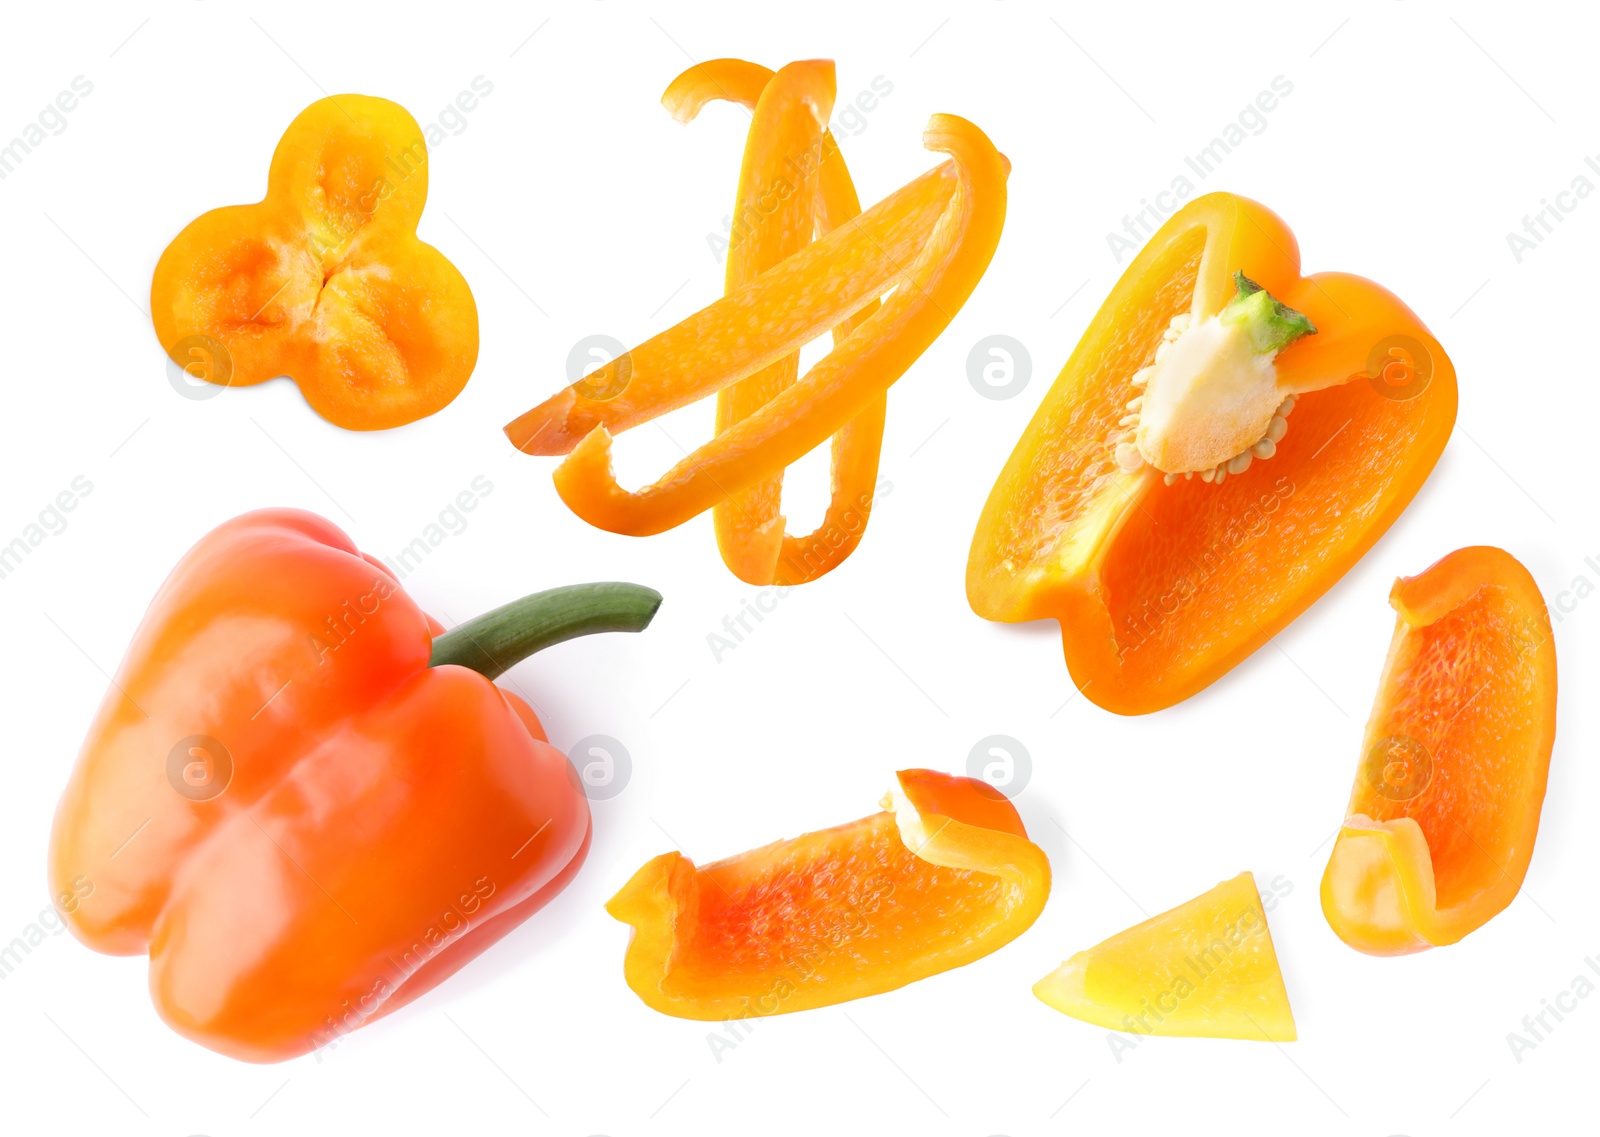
x: 1445, y: 808
x: 943, y: 876
x: 1160, y: 589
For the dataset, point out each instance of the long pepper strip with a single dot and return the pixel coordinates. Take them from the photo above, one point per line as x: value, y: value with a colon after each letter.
x: 779, y: 312
x: 784, y: 143
x: 933, y: 267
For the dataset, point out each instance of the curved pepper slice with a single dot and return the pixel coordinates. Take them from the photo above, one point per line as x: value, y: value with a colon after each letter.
x: 1162, y: 578
x: 324, y: 279
x: 787, y: 142
x: 306, y: 802
x: 930, y: 242
x: 944, y: 876
x: 1445, y: 809
x: 1206, y: 969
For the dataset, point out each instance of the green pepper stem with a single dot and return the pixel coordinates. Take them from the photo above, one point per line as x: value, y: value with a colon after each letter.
x: 498, y: 640
x: 1272, y: 324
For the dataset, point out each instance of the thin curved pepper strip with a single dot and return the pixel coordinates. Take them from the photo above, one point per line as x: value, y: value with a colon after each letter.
x: 305, y: 800
x: 1445, y: 809
x: 944, y: 876
x: 750, y: 531
x: 324, y: 279
x: 1162, y: 589
x: 949, y: 258
x: 778, y: 313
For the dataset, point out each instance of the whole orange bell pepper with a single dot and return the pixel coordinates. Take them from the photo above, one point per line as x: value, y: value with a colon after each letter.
x: 324, y: 280
x: 305, y: 801
x: 942, y: 877
x: 929, y: 242
x: 1227, y: 440
x: 1445, y: 808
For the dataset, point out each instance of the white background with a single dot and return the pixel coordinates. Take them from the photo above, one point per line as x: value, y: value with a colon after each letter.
x: 1416, y: 137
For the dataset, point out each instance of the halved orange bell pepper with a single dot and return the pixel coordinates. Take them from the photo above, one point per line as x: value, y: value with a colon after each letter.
x: 1442, y: 819
x: 930, y: 242
x: 794, y: 179
x: 944, y: 876
x: 305, y: 801
x: 1174, y: 516
x: 324, y: 279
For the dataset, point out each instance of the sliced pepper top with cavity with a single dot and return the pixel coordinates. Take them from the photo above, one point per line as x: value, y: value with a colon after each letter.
x: 324, y: 279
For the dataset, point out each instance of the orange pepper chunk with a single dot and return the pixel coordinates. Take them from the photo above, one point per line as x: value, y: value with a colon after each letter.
x: 944, y: 876
x: 324, y: 279
x: 1445, y: 809
x: 1162, y: 588
x: 785, y: 140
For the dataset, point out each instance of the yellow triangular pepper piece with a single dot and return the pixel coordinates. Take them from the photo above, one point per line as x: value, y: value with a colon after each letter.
x: 1206, y: 969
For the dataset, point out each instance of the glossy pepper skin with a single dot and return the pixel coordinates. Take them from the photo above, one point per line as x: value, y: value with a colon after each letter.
x: 944, y: 876
x: 324, y: 279
x: 930, y: 242
x: 1445, y: 809
x: 302, y: 822
x: 1162, y: 589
